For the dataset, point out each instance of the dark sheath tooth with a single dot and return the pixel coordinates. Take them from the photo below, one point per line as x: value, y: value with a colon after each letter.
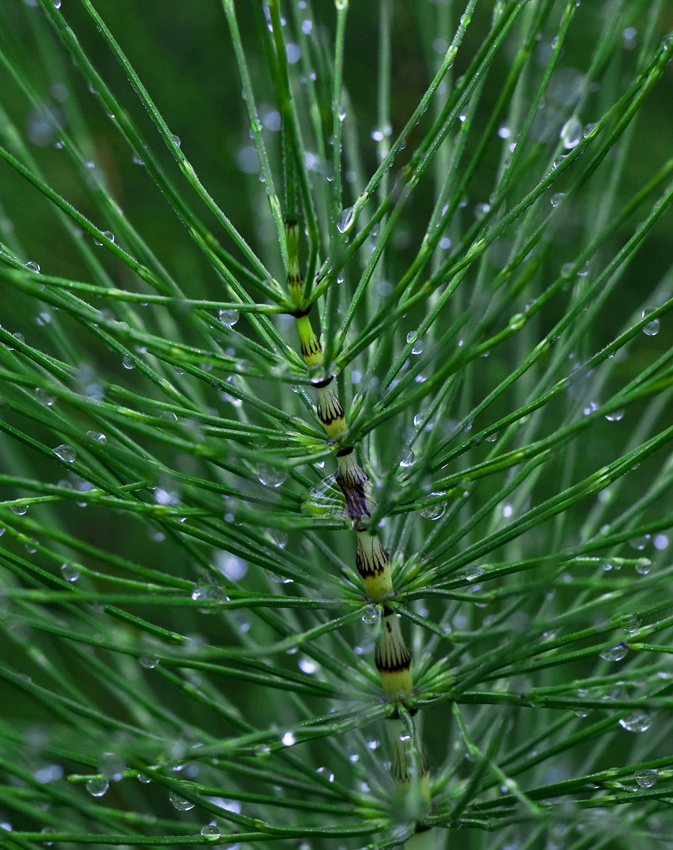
x: 319, y: 385
x: 353, y: 481
x: 329, y: 408
x: 391, y: 654
x: 310, y: 347
x: 370, y: 558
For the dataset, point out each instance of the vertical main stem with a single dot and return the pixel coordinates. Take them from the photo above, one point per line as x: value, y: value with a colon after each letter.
x: 392, y: 656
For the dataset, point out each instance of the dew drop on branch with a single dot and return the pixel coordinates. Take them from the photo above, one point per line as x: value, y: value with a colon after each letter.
x: 179, y: 802
x: 228, y: 317
x: 647, y: 777
x: 615, y: 653
x: 370, y: 614
x: 65, y: 453
x: 211, y: 831
x: 112, y: 766
x: 571, y: 133
x: 97, y: 787
x: 69, y: 573
x: 346, y: 220
x: 97, y: 436
x: 271, y: 476
x: 651, y: 328
x: 636, y: 721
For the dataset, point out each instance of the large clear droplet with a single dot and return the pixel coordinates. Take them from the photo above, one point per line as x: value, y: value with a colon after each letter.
x: 112, y: 766
x: 571, y: 133
x: 69, y: 573
x: 97, y: 787
x: 211, y: 831
x: 636, y: 721
x: 97, y: 436
x: 346, y: 220
x: 434, y: 512
x: 65, y: 453
x: 370, y: 614
x: 228, y: 317
x: 271, y: 476
x: 651, y: 328
x: 647, y: 777
x: 179, y: 802
x: 615, y: 653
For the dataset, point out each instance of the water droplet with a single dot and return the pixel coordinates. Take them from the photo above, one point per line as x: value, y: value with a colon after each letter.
x: 571, y: 133
x: 639, y: 543
x: 473, y: 573
x: 647, y: 777
x: 47, y: 829
x: 96, y: 435
x: 177, y: 142
x: 436, y: 511
x: 504, y: 132
x: 50, y: 773
x: 615, y: 653
x: 97, y: 787
x: 148, y: 662
x: 19, y: 510
x: 308, y: 666
x: 233, y: 567
x: 65, y: 453
x: 288, y: 739
x: 112, y: 766
x: 169, y: 498
x: 346, y: 220
x: 517, y: 321
x: 651, y: 328
x: 179, y: 802
x: 557, y: 198
x: 615, y: 416
x: 69, y: 573
x: 228, y: 317
x: 370, y: 614
x: 211, y: 831
x: 33, y: 267
x: 108, y: 235
x: 127, y: 362
x: 44, y: 397
x: 408, y: 459
x: 271, y: 476
x: 636, y: 721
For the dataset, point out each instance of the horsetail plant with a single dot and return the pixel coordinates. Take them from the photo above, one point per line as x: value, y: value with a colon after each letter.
x: 336, y: 481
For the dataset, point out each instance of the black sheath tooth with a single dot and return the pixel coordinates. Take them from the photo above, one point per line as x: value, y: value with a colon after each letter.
x: 390, y: 657
x: 329, y: 409
x: 353, y: 481
x: 345, y: 452
x: 311, y: 347
x: 370, y: 565
x: 320, y: 385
